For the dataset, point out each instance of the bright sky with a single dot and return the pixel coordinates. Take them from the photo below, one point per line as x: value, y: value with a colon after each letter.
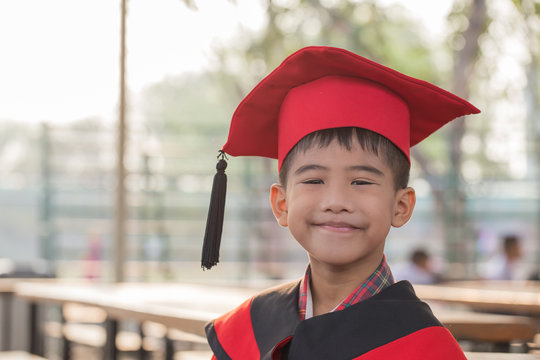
x: 60, y: 58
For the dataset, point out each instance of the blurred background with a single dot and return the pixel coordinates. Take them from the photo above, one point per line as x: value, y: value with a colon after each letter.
x: 188, y: 63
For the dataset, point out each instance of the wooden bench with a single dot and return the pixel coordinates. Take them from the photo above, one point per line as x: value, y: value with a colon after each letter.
x: 19, y: 355
x: 84, y: 326
x: 511, y: 297
x: 500, y: 356
x: 468, y: 325
x: 194, y: 355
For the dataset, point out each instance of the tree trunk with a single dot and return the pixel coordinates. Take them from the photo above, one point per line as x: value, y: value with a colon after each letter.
x: 459, y: 237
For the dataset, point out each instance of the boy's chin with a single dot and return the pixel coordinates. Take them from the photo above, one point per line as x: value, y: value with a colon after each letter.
x: 340, y: 262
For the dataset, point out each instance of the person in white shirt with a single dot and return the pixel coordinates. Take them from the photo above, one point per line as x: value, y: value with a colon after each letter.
x: 503, y: 267
x: 419, y: 269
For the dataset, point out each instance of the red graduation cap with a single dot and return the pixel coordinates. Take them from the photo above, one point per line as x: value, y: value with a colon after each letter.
x: 321, y: 87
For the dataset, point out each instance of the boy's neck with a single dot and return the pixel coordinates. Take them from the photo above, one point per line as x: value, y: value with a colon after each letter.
x: 331, y: 285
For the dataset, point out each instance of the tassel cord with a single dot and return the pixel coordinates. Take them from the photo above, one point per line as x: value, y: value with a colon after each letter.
x: 216, y: 212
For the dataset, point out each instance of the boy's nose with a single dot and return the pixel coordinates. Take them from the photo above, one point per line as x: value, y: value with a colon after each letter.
x: 336, y: 200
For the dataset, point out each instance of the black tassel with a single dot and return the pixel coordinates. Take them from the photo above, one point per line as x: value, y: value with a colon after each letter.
x: 214, y: 221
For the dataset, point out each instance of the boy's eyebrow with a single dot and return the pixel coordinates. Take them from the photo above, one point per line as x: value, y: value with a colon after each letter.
x: 367, y: 168
x: 304, y: 168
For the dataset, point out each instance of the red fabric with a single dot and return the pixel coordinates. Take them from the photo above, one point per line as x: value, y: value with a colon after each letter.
x: 339, y: 101
x: 302, y: 294
x: 432, y: 343
x: 277, y: 354
x: 235, y: 322
x: 374, y: 97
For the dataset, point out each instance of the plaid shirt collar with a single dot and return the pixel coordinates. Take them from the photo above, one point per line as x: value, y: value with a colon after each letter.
x: 379, y: 280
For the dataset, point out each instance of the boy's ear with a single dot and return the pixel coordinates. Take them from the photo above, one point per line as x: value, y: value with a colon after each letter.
x: 404, y: 206
x: 279, y: 204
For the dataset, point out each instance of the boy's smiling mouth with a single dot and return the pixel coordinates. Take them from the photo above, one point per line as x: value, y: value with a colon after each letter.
x: 338, y: 226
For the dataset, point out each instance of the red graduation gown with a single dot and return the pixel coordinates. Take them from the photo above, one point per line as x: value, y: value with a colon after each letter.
x: 390, y: 325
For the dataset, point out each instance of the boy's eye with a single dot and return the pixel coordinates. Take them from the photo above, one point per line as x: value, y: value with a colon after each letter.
x: 361, y: 182
x: 312, y: 181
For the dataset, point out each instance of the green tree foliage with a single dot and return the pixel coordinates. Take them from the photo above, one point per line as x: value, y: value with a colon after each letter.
x: 191, y: 103
x: 387, y: 35
x: 364, y: 27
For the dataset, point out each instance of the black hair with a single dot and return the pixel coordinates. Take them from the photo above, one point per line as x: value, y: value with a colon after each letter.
x: 368, y: 140
x: 510, y: 241
x: 418, y: 256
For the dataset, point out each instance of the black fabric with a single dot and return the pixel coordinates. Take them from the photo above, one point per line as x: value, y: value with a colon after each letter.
x: 346, y: 334
x: 342, y: 335
x: 216, y: 347
x: 274, y: 316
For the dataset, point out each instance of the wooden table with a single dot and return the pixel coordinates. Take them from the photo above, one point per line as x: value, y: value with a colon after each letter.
x: 7, y: 285
x: 500, y: 356
x: 521, y: 297
x: 188, y: 307
x: 481, y: 327
x: 179, y: 306
x: 183, y: 306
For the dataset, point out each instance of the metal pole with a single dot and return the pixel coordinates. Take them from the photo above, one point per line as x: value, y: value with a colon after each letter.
x: 120, y: 215
x: 110, y: 352
x: 7, y: 306
x: 36, y: 339
x: 46, y: 228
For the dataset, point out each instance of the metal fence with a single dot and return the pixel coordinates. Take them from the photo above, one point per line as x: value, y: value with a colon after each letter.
x: 57, y: 203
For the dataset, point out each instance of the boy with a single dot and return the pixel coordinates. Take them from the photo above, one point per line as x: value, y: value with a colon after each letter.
x: 341, y: 127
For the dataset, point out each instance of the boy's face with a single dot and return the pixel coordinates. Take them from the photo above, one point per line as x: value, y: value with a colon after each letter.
x: 339, y: 204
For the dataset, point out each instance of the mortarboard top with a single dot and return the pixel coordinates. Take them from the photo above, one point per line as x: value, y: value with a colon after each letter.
x: 321, y: 87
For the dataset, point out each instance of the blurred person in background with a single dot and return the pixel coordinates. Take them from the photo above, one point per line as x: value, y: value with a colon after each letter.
x: 93, y: 257
x: 419, y: 269
x: 504, y: 265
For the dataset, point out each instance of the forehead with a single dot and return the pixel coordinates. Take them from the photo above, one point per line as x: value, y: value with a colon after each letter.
x: 335, y: 153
